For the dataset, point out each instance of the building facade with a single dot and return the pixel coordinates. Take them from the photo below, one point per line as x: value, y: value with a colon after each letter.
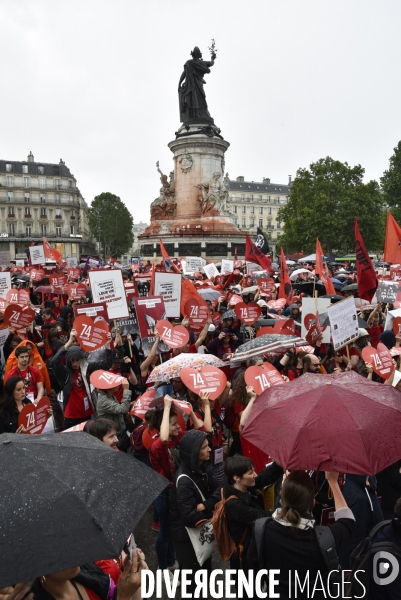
x: 41, y: 199
x: 256, y: 204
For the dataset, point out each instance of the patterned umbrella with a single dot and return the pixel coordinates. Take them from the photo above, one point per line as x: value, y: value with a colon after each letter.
x: 229, y: 314
x: 266, y: 343
x: 172, y: 367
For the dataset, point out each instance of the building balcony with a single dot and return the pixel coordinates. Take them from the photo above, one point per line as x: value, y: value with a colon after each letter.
x: 43, y: 217
x: 11, y: 216
x: 72, y: 217
x: 58, y: 217
x: 33, y: 185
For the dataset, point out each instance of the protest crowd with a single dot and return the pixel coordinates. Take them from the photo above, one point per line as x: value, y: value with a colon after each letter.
x: 259, y: 406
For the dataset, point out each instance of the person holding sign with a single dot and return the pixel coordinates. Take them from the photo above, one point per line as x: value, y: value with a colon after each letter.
x: 13, y: 402
x: 151, y: 360
x: 34, y: 389
x: 110, y: 408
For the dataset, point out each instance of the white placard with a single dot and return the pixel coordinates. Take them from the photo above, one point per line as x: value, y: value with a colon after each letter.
x: 168, y: 285
x: 309, y: 307
x: 20, y: 263
x: 37, y: 255
x: 194, y: 264
x: 391, y: 315
x: 5, y: 257
x: 250, y: 267
x: 107, y: 286
x: 343, y: 322
x: 211, y: 270
x: 227, y: 266
x: 3, y: 336
x: 71, y: 262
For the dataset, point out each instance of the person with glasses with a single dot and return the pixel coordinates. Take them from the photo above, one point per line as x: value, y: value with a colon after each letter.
x: 311, y: 364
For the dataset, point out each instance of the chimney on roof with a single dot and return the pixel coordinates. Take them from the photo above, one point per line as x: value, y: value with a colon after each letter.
x: 266, y: 180
x: 289, y: 179
x: 31, y: 157
x: 240, y: 178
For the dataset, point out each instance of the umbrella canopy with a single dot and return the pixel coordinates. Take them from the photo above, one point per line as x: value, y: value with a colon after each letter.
x: 209, y: 294
x: 340, y: 422
x: 297, y: 272
x: 171, y: 368
x: 333, y: 297
x: 266, y: 343
x: 308, y: 288
x: 351, y: 287
x: 69, y: 499
x: 229, y: 314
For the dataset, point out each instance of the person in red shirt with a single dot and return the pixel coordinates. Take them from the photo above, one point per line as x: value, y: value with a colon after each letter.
x: 34, y: 389
x: 122, y: 366
x: 193, y: 348
x: 375, y: 328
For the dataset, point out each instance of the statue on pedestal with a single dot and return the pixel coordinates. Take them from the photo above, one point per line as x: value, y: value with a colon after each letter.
x: 213, y: 197
x: 192, y: 97
x: 164, y: 205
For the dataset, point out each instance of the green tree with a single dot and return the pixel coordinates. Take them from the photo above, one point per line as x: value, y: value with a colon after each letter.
x: 323, y: 202
x: 391, y: 184
x: 109, y: 214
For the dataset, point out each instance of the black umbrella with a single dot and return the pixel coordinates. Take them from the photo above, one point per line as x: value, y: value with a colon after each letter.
x: 67, y: 499
x: 350, y: 288
x: 307, y: 288
x: 267, y: 343
x: 333, y: 297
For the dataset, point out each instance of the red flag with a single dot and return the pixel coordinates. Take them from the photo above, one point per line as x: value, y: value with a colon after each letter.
x: 285, y: 281
x: 168, y: 263
x: 367, y: 280
x: 322, y: 270
x: 253, y: 254
x: 52, y: 253
x: 189, y: 291
x: 392, y: 245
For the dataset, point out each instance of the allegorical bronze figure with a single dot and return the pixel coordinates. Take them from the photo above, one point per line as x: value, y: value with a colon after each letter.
x: 192, y: 97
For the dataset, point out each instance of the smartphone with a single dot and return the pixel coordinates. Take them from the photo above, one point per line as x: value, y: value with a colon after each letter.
x: 131, y: 546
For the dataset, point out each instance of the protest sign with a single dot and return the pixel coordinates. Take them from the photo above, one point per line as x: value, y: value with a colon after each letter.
x: 387, y: 291
x: 5, y: 284
x: 37, y: 254
x: 261, y: 378
x: 196, y: 312
x: 194, y: 264
x: 4, y: 333
x: 266, y: 285
x: 20, y: 297
x: 174, y: 337
x: 3, y: 305
x: 168, y: 285
x: 210, y: 270
x: 141, y: 282
x: 58, y: 280
x: 5, y: 257
x: 149, y: 310
x: 97, y: 312
x: 20, y: 263
x: 380, y: 359
x: 74, y: 272
x: 18, y: 316
x: 315, y: 329
x: 71, y: 262
x: 287, y: 327
x: 91, y: 335
x: 310, y: 306
x: 37, y: 275
x: 251, y: 267
x: 207, y: 379
x: 141, y: 404
x: 34, y: 417
x: 277, y: 304
x: 397, y: 326
x: 216, y: 318
x: 185, y: 407
x: 227, y: 266
x: 108, y: 287
x: 343, y: 322
x: 248, y: 313
x: 76, y: 290
x: 104, y: 380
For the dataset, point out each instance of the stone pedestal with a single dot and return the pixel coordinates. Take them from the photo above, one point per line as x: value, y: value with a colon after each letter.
x: 200, y: 218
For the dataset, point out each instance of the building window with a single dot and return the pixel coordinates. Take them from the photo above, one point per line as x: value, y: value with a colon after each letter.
x: 260, y: 197
x: 251, y: 198
x: 269, y: 197
x: 260, y: 222
x: 26, y: 196
x: 252, y: 210
x: 233, y: 197
x: 10, y: 196
x: 261, y: 210
x: 235, y: 221
x: 269, y: 223
x: 11, y: 211
x: 242, y: 197
x: 43, y: 198
x: 57, y: 198
x: 70, y: 183
x: 252, y: 222
x: 57, y: 184
x: 269, y: 210
x: 42, y: 183
x: 44, y: 227
x: 25, y: 169
x: 28, y: 230
x: 58, y: 231
x: 58, y: 213
x: 11, y: 229
x: 26, y: 182
x: 243, y: 210
x: 243, y: 222
x: 72, y: 229
x: 42, y: 212
x: 278, y: 225
x: 235, y: 210
x: 27, y: 211
x: 8, y: 168
x: 41, y: 170
x: 10, y: 180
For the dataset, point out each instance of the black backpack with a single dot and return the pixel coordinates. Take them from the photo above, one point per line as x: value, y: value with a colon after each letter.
x: 324, y: 538
x: 361, y: 560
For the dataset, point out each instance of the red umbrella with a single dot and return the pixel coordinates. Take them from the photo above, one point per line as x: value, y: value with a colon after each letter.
x: 340, y: 422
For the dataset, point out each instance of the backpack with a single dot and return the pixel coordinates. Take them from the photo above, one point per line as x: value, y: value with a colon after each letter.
x: 361, y: 560
x: 324, y: 538
x: 222, y: 538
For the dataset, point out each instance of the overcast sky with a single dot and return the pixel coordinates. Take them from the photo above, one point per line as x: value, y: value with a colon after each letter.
x: 95, y: 82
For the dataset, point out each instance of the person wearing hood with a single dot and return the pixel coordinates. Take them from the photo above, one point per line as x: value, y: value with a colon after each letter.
x: 73, y: 378
x: 360, y: 494
x: 193, y: 496
x: 225, y: 344
x: 35, y: 360
x: 388, y: 338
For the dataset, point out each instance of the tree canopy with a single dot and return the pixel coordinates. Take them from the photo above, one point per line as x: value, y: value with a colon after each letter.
x: 108, y: 212
x: 324, y: 200
x: 391, y: 184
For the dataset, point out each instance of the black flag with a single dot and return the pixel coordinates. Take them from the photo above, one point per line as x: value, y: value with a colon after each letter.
x: 261, y: 242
